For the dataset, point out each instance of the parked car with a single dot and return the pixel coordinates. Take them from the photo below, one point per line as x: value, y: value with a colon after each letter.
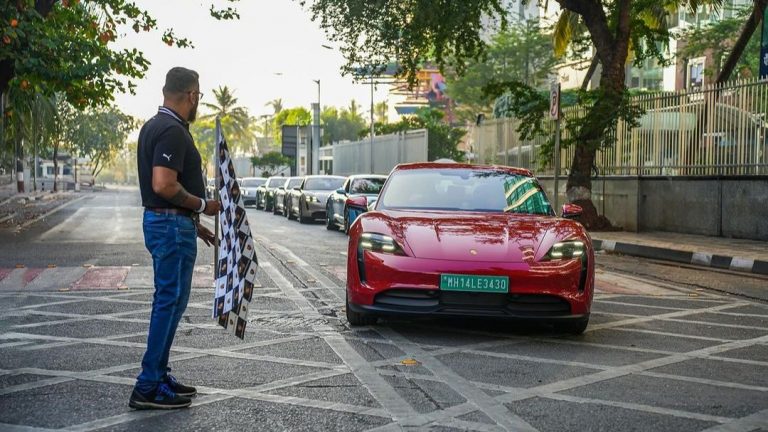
x: 248, y: 186
x: 457, y: 239
x: 264, y: 192
x: 281, y: 194
x: 306, y: 202
x: 341, y: 210
x: 210, y: 188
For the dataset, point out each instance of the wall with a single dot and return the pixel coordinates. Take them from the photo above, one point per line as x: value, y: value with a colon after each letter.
x: 388, y: 151
x: 715, y: 206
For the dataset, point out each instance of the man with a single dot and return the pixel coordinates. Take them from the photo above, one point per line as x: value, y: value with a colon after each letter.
x: 172, y: 190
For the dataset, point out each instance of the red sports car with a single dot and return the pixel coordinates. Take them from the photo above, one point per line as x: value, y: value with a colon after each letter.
x: 456, y: 239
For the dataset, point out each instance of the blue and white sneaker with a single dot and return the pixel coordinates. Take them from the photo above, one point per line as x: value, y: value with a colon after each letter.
x: 161, y: 398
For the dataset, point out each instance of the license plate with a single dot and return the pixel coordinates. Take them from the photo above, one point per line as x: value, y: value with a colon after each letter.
x: 474, y: 283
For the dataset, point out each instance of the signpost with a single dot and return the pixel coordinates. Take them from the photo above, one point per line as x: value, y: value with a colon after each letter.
x: 554, y: 114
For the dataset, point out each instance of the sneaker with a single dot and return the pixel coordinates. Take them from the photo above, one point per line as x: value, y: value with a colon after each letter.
x: 161, y: 398
x: 179, y: 388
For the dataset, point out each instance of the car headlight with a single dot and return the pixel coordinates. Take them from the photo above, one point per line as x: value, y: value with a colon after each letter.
x: 380, y: 243
x: 566, y: 250
x: 311, y: 198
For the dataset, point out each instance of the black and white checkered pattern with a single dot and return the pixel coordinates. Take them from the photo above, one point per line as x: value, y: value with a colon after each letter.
x: 235, y: 272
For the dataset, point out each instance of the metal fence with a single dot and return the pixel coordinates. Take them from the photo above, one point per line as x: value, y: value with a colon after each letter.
x: 387, y: 151
x: 717, y: 130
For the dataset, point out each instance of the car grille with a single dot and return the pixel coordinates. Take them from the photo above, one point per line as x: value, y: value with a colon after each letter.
x: 420, y: 300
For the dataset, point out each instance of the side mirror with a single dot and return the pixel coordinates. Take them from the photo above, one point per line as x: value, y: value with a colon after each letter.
x: 571, y: 211
x: 280, y: 188
x: 341, y: 191
x: 297, y: 189
x: 358, y: 201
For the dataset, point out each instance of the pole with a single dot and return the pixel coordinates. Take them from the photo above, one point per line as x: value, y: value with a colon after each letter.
x: 217, y: 175
x: 372, y: 123
x: 557, y: 159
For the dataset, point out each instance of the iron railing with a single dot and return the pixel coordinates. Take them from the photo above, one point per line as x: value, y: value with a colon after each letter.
x: 716, y: 130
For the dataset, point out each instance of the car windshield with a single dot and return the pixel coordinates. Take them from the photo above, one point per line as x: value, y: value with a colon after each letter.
x: 274, y: 182
x: 252, y: 183
x: 366, y: 185
x: 292, y: 183
x: 482, y: 190
x: 323, y: 183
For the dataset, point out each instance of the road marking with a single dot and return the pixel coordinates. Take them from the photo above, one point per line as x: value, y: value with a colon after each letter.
x: 749, y: 423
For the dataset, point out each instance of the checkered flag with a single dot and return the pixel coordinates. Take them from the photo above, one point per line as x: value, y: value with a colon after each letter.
x: 236, y: 262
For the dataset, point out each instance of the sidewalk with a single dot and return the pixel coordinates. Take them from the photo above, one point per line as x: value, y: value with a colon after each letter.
x: 725, y: 253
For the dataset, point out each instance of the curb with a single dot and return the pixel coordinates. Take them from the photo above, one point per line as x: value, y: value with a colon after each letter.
x: 746, y: 265
x: 50, y: 212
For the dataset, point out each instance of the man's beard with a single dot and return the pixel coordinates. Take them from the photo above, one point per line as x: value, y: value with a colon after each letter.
x: 193, y: 113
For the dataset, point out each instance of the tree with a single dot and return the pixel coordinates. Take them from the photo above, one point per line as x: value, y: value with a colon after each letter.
x: 240, y: 133
x: 412, y: 31
x: 717, y: 38
x: 339, y: 125
x: 293, y: 116
x: 99, y: 135
x: 67, y: 46
x: 442, y: 139
x: 381, y: 111
x: 271, y: 161
x: 752, y: 23
x: 523, y: 52
x: 276, y: 104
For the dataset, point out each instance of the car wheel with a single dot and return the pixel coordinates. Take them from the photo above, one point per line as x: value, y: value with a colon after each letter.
x: 330, y: 225
x: 346, y: 221
x: 358, y: 318
x: 302, y: 219
x: 574, y: 327
x: 258, y: 201
x: 289, y: 210
x: 274, y: 209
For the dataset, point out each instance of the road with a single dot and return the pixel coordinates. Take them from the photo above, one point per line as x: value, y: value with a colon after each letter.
x: 668, y: 348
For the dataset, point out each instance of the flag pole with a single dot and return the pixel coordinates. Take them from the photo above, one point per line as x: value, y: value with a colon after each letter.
x: 217, y: 176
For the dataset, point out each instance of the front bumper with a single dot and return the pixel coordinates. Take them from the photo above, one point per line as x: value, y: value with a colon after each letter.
x: 314, y: 209
x: 392, y: 284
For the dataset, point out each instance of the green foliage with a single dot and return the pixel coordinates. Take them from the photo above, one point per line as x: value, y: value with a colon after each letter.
x: 523, y: 52
x: 240, y: 132
x: 341, y: 124
x: 442, y: 139
x: 407, y: 31
x: 293, y: 116
x: 271, y: 161
x: 68, y: 47
x: 718, y: 38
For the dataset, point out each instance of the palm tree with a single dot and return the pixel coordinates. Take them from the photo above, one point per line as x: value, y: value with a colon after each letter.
x: 241, y: 135
x: 381, y: 109
x: 276, y: 104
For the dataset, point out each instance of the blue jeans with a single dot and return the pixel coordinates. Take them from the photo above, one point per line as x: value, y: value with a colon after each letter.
x: 172, y: 241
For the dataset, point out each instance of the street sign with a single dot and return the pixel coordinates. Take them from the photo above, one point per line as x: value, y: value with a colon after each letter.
x: 764, y: 47
x: 290, y: 140
x: 554, y: 100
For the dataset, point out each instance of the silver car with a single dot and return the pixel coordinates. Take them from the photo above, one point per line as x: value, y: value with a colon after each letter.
x: 306, y: 202
x: 248, y: 186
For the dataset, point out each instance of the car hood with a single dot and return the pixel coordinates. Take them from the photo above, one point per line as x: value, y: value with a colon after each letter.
x: 322, y: 195
x: 486, y: 237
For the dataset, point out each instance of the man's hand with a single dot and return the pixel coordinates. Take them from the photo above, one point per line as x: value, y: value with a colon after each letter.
x: 211, y: 208
x: 205, y: 235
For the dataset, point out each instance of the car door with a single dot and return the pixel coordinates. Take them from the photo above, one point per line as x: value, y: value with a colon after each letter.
x: 296, y: 197
x: 339, y: 200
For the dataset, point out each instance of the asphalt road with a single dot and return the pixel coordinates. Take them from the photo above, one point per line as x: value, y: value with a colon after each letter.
x: 668, y: 348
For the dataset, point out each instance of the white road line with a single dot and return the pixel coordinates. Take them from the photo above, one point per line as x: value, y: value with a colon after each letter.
x: 758, y: 420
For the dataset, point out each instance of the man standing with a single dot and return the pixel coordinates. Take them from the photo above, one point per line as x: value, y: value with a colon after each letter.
x: 172, y: 191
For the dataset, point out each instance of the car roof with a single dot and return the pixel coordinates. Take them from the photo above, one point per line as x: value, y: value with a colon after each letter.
x: 254, y: 178
x: 324, y: 176
x: 438, y: 165
x: 357, y: 176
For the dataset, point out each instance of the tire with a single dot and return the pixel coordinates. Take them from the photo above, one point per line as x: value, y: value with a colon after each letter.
x: 358, y: 318
x: 258, y: 200
x: 274, y: 209
x: 288, y: 211
x: 346, y: 221
x: 302, y: 219
x: 573, y: 327
x: 330, y: 225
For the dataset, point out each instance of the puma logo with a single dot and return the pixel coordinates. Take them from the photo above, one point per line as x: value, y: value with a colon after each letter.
x: 167, y: 156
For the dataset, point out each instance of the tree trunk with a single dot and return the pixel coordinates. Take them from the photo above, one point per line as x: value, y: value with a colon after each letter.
x: 591, y: 71
x: 741, y: 43
x: 56, y: 166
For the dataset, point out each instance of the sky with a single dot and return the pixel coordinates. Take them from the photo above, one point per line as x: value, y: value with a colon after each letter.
x: 273, y: 51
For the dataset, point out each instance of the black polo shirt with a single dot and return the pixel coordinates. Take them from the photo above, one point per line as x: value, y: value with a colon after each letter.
x: 165, y: 141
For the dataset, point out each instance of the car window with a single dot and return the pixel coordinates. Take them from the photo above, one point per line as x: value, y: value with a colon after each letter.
x: 485, y: 190
x: 367, y: 185
x: 274, y: 182
x: 252, y: 183
x: 294, y: 183
x: 323, y: 183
